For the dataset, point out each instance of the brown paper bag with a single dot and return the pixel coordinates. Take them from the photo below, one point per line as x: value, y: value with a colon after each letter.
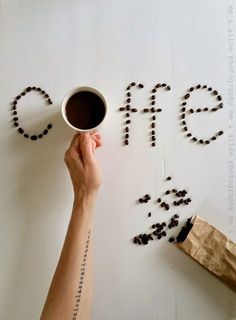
x: 210, y: 248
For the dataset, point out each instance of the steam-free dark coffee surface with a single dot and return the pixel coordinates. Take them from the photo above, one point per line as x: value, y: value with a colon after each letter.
x: 85, y: 110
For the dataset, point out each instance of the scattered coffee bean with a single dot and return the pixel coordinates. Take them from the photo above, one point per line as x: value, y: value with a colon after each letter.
x: 168, y: 178
x: 214, y: 109
x: 174, y: 190
x: 158, y: 85
x: 183, y: 116
x: 26, y: 135
x: 128, y: 100
x: 33, y: 88
x: 209, y: 89
x: 163, y: 84
x: 134, y: 110
x: 191, y: 89
x: 198, y: 86
x: 158, y: 110
x: 18, y: 97
x: 159, y: 200
x: 20, y: 130
x: 16, y: 124
x: 149, y: 214
x: 38, y: 89
x: 204, y: 87
x: 153, y: 97
x: 43, y: 92
x: 213, y: 138
x: 163, y: 233
x: 49, y: 101
x: 163, y: 204
x: 23, y: 93
x: 126, y: 136
x: 191, y: 110
x: 121, y: 109
x: 201, y: 141
x: 128, y: 94
x: 185, y: 128
x: 15, y: 118
x: 167, y: 207
x: 127, y: 115
x: 199, y: 110
x: 145, y: 110
x: 127, y: 107
x: 220, y: 133
x: 153, y: 144
x: 215, y: 92
x: 153, y: 138
x: 140, y: 85
x: 46, y: 95
x: 126, y: 129
x: 128, y: 88
x: 194, y: 139
x: 183, y: 109
x: 205, y: 109
x: 207, y: 141
x: 183, y: 123
x: 153, y: 125
x: 171, y: 239
x: 153, y: 132
x: 219, y: 98
x: 154, y: 90
x: 127, y: 121
x: 167, y: 192
x: 153, y: 110
x: 126, y: 142
x: 33, y: 137
x: 28, y: 89
x: 184, y: 103
x: 187, y: 96
x: 168, y: 88
x: 153, y: 117
x: 40, y: 136
x: 153, y: 102
x: 220, y: 105
x: 45, y: 132
x: 159, y: 236
x: 133, y: 84
x: 189, y: 135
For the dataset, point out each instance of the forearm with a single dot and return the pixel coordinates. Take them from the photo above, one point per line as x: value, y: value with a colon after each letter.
x: 69, y: 296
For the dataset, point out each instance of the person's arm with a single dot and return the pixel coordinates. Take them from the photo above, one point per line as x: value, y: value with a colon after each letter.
x: 69, y: 296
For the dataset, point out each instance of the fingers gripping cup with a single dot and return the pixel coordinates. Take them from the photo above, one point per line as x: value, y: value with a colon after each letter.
x: 84, y: 109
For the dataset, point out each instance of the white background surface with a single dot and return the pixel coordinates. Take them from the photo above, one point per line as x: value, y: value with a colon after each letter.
x: 58, y: 45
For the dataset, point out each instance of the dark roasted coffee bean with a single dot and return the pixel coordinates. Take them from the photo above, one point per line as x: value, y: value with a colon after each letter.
x: 213, y: 138
x: 214, y: 109
x: 128, y: 100
x: 209, y: 89
x: 220, y: 133
x: 23, y: 93
x: 205, y: 109
x: 191, y: 89
x: 153, y: 138
x: 14, y: 108
x: 163, y: 233
x: 153, y: 103
x: 134, y: 110
x: 45, y: 132
x: 170, y: 226
x: 128, y: 88
x: 126, y: 129
x: 153, y: 117
x: 198, y: 86
x: 16, y: 124
x: 201, y: 141
x: 38, y: 89
x: 126, y: 136
x: 184, y: 103
x: 40, y: 136
x: 167, y: 207
x: 153, y: 226
x: 183, y: 123
x: 219, y: 98
x: 153, y: 97
x: 18, y: 97
x: 147, y: 196
x: 126, y: 142
x: 153, y: 144
x: 127, y: 107
x: 174, y: 190
x: 149, y: 214
x: 194, y: 139
x: 15, y: 118
x: 207, y: 141
x: 121, y: 109
x: 33, y: 88
x: 153, y: 110
x: 127, y: 121
x: 158, y: 85
x: 191, y: 110
x: 140, y: 85
x: 168, y: 88
x: 28, y: 89
x: 128, y: 94
x: 187, y: 96
x: 176, y: 216
x: 46, y: 95
x: 33, y: 137
x: 127, y: 115
x: 26, y: 135
x: 153, y: 125
x: 183, y: 109
x: 154, y: 90
x: 167, y: 192
x: 189, y: 135
x: 153, y: 132
x: 20, y: 130
x: 140, y: 200
x: 185, y: 128
x: 163, y: 84
x: 133, y: 84
x: 158, y: 110
x: 220, y: 105
x: 14, y: 113
x: 43, y: 92
x: 145, y: 110
x: 183, y: 116
x: 159, y: 236
x: 171, y: 239
x: 168, y: 178
x: 204, y: 87
x: 163, y: 204
x: 159, y: 200
x: 199, y: 110
x: 215, y: 92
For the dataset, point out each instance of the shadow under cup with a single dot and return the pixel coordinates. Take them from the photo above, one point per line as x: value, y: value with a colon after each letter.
x: 84, y: 109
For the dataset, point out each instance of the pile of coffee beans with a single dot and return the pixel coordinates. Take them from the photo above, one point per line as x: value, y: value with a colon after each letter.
x: 128, y: 109
x: 15, y: 118
x: 185, y: 111
x: 184, y: 231
x: 144, y: 199
x: 159, y: 230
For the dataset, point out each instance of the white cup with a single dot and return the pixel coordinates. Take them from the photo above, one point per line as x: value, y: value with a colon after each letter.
x: 70, y: 94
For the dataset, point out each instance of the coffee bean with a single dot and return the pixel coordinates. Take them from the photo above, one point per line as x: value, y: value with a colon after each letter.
x: 189, y: 135
x: 140, y: 85
x: 198, y: 86
x: 167, y: 207
x: 20, y: 130
x: 147, y: 196
x: 127, y: 115
x: 16, y: 124
x: 23, y: 93
x: 168, y: 178
x: 205, y: 109
x: 168, y: 88
x: 158, y: 85
x: 127, y: 136
x: 46, y: 95
x: 194, y: 139
x: 163, y: 84
x: 187, y: 96
x: 183, y: 109
x: 133, y: 84
x: 204, y: 87
x: 149, y: 214
x: 153, y: 144
x: 209, y: 89
x: 34, y: 137
x: 207, y: 142
x: 153, y: 117
x: 126, y: 129
x: 167, y: 192
x: 153, y: 125
x: 158, y: 110
x: 126, y: 142
x: 220, y: 105
x: 213, y: 138
x: 40, y: 136
x: 140, y: 200
x: 153, y: 132
x: 127, y: 107
x: 171, y: 239
x: 14, y: 108
x: 18, y: 97
x: 28, y: 89
x: 153, y: 97
x: 128, y: 100
x: 134, y: 110
x: 159, y: 200
x: 26, y: 135
x: 191, y: 110
x: 159, y: 236
x: 183, y: 123
x: 220, y: 133
x: 174, y: 190
x: 163, y: 224
x: 153, y: 138
x: 199, y: 110
x: 145, y: 110
x: 176, y: 216
x: 128, y: 94
x: 121, y: 109
x: 43, y: 92
x: 163, y: 233
x: 184, y: 104
x: 153, y: 102
x: 45, y: 132
x: 128, y: 88
x: 33, y: 88
x: 176, y: 223
x: 214, y: 109
x: 154, y: 90
x: 191, y: 89
x: 219, y: 98
x: 127, y: 121
x: 15, y: 118
x: 215, y: 92
x: 153, y: 226
x: 185, y: 128
x: 14, y: 113
x: 183, y: 116
x: 38, y: 89
x: 153, y: 110
x: 170, y: 226
x: 163, y: 204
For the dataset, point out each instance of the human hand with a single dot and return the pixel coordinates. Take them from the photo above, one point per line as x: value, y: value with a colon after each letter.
x: 82, y: 164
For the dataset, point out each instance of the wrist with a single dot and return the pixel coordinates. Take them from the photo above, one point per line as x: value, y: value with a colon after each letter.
x: 85, y: 199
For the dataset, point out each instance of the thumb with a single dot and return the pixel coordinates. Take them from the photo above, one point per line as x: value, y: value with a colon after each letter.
x: 86, y: 148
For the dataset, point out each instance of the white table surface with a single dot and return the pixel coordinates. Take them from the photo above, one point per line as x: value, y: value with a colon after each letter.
x: 58, y: 45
